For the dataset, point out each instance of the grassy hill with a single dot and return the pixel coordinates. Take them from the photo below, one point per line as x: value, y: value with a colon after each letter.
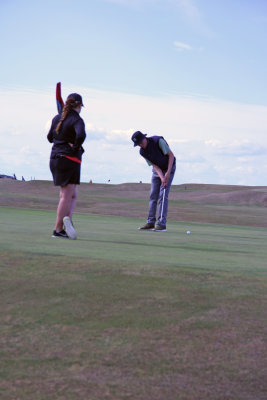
x: 224, y: 204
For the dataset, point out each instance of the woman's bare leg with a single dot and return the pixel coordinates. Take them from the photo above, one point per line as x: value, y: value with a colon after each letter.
x: 65, y: 204
x: 73, y: 202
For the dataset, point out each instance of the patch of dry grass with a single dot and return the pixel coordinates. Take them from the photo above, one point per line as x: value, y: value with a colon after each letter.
x: 237, y: 205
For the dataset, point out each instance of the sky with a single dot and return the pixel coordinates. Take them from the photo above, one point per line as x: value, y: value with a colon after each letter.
x: 192, y: 71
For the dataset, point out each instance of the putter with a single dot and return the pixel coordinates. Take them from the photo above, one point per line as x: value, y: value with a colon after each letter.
x: 163, y: 202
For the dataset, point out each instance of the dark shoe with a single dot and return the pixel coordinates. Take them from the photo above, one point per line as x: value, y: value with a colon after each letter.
x: 160, y: 228
x: 62, y: 234
x: 69, y: 228
x: 147, y: 227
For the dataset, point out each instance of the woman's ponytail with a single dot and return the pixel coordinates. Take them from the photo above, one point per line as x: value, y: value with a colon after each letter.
x: 68, y: 106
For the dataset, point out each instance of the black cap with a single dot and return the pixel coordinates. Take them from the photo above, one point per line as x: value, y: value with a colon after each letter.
x: 77, y: 97
x: 138, y: 137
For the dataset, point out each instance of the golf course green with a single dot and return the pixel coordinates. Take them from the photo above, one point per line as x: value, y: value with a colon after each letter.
x: 125, y: 314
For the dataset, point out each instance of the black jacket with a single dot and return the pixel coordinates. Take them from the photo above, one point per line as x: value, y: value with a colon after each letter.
x: 72, y: 131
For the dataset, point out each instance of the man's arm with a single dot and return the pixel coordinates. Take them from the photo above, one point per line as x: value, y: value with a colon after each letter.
x: 170, y: 163
x: 159, y: 172
x: 165, y: 178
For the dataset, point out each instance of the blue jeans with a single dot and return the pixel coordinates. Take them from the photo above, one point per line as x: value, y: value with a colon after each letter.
x: 159, y: 199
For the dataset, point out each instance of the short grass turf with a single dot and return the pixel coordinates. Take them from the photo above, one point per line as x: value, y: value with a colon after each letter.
x: 124, y: 314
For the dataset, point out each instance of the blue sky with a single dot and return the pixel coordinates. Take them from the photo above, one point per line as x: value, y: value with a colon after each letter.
x: 193, y: 71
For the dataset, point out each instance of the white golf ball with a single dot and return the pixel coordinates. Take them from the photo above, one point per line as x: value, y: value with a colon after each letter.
x: 188, y: 232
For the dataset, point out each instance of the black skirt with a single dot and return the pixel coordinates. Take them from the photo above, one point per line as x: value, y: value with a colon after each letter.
x: 65, y: 171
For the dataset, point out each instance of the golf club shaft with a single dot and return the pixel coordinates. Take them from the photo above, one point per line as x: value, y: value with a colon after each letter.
x: 164, y: 190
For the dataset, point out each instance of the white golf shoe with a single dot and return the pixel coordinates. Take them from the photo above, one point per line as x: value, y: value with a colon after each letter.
x: 69, y: 228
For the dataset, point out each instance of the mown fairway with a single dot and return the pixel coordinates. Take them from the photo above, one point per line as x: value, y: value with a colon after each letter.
x: 123, y: 314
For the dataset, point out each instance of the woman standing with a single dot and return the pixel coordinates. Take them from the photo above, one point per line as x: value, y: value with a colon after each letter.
x: 67, y: 133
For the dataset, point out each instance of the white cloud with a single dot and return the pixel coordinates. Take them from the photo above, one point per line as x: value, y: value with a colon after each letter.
x: 213, y: 140
x: 25, y: 150
x: 94, y: 132
x: 120, y: 136
x: 182, y: 46
x: 237, y: 148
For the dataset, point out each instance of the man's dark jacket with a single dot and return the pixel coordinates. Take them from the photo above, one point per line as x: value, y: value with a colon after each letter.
x: 154, y: 154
